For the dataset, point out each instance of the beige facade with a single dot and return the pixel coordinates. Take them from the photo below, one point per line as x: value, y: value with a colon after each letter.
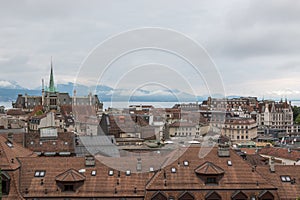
x: 240, y: 129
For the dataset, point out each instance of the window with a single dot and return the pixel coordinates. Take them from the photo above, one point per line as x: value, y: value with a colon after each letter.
x: 173, y: 170
x: 40, y: 173
x: 186, y: 163
x: 151, y: 169
x: 211, y: 180
x: 111, y: 172
x: 285, y: 178
x: 93, y: 173
x: 229, y: 163
x: 69, y: 188
x: 128, y: 172
x: 5, y: 183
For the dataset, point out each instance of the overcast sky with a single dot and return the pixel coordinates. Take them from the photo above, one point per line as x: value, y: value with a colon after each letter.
x: 254, y: 44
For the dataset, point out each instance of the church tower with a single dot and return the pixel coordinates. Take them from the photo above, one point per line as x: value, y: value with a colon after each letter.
x: 51, y: 82
x: 51, y: 99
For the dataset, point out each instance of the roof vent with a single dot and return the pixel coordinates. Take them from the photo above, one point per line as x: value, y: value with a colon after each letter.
x: 10, y: 137
x: 272, y: 164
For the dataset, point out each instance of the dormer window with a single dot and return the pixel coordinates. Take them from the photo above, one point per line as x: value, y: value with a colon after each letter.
x: 211, y: 180
x: 70, y: 180
x: 209, y: 173
x: 68, y: 188
x: 5, y: 182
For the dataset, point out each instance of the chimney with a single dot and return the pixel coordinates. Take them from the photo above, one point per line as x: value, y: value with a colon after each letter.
x: 272, y: 164
x: 26, y: 100
x: 139, y: 164
x: 89, y: 161
x: 223, y: 150
x: 10, y: 137
x: 74, y: 97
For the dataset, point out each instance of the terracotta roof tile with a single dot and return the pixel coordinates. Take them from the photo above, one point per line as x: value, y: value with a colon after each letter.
x: 70, y: 175
x: 280, y: 153
x: 9, y: 152
x: 209, y: 168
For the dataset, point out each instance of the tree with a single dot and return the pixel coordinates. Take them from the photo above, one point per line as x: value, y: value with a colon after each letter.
x: 296, y: 112
x: 297, y: 120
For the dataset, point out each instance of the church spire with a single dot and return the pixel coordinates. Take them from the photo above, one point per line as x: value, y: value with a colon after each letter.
x: 51, y: 82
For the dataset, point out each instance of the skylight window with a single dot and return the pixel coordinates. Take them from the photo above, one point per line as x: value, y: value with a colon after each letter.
x: 39, y: 173
x: 173, y: 170
x: 285, y: 178
x: 9, y: 144
x: 186, y: 163
x: 229, y: 163
x: 93, y: 173
x: 128, y: 172
x: 111, y: 172
x: 42, y: 173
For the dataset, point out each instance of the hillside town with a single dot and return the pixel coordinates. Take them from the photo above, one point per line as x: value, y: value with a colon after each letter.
x: 51, y: 145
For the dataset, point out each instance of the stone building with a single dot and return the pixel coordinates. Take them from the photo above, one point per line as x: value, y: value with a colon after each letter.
x: 52, y: 99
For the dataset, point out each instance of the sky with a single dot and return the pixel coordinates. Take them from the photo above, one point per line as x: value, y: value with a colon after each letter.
x: 253, y: 44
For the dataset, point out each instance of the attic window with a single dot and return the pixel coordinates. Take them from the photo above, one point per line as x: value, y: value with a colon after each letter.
x: 128, y: 172
x: 111, y: 172
x: 68, y: 188
x: 93, y: 173
x: 229, y: 163
x: 39, y: 173
x: 173, y: 170
x: 211, y: 180
x: 285, y: 178
x: 186, y: 163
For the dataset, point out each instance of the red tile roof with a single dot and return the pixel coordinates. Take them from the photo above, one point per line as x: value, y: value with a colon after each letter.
x: 9, y: 152
x: 280, y: 153
x: 208, y: 168
x: 70, y: 175
x: 286, y: 190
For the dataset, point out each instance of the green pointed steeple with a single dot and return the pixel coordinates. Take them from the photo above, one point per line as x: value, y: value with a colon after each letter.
x: 51, y: 82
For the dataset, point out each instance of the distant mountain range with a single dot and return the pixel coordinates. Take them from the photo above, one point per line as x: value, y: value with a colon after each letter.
x: 9, y: 91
